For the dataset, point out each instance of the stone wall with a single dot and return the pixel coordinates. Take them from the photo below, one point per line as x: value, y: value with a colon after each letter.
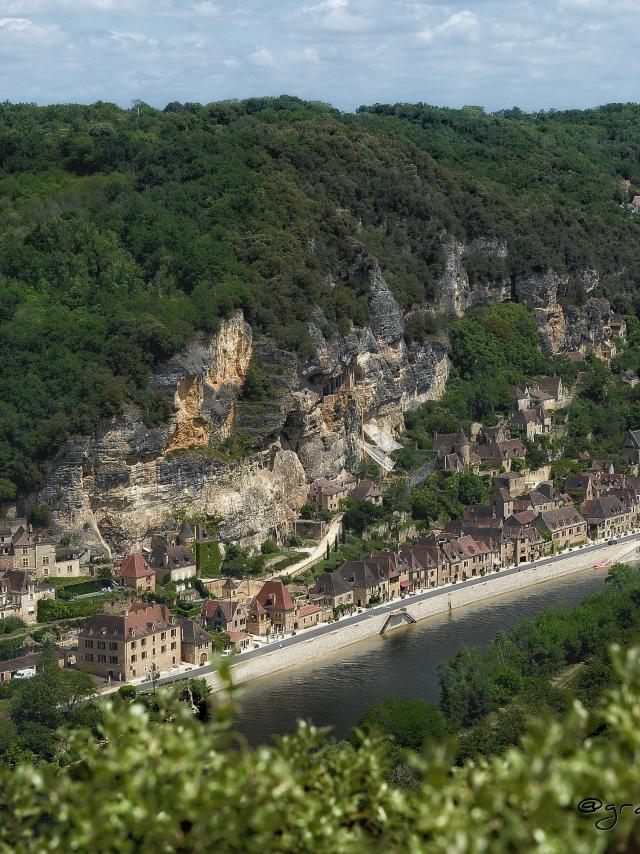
x: 451, y: 597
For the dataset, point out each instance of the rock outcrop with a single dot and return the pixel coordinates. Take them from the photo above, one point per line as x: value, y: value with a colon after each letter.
x: 456, y: 293
x: 592, y: 327
x: 117, y: 486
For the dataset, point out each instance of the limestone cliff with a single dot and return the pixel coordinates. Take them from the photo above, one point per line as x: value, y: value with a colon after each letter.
x: 113, y: 488
x: 456, y: 293
x: 592, y: 327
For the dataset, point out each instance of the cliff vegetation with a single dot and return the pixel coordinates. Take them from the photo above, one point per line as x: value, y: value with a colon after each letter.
x: 124, y: 232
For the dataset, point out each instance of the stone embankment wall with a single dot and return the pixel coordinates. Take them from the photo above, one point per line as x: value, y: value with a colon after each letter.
x: 451, y: 598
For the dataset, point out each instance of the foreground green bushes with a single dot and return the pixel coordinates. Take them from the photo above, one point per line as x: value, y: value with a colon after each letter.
x: 179, y: 787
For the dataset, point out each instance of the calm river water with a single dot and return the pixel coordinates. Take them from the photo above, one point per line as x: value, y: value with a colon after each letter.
x: 335, y: 690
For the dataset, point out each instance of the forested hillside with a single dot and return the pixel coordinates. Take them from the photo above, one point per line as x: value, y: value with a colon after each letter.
x: 124, y: 231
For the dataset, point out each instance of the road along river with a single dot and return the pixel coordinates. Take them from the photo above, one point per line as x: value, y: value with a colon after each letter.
x: 336, y: 690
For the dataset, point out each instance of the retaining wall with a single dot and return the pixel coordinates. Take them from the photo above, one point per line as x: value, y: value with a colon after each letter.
x: 452, y: 597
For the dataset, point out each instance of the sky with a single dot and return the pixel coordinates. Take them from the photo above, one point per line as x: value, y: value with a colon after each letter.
x: 535, y: 54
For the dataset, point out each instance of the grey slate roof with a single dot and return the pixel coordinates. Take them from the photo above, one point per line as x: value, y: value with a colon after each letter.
x: 330, y: 584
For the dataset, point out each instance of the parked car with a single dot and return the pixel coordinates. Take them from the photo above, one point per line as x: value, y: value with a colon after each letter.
x: 26, y: 673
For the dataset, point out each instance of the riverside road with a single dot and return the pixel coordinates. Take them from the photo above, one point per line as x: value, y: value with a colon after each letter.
x: 396, y: 605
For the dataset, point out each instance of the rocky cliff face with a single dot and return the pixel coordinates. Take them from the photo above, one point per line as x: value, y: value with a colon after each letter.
x: 591, y: 327
x: 456, y: 293
x: 113, y: 488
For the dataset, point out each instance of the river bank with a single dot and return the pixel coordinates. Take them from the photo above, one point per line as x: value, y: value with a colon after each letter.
x: 336, y: 690
x: 333, y: 637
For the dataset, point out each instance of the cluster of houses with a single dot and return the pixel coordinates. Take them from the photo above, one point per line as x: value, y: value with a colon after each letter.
x: 171, y: 557
x: 28, y: 560
x: 327, y: 493
x: 494, y: 449
x: 23, y: 548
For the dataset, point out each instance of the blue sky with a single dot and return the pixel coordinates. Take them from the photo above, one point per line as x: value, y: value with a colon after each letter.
x: 497, y: 53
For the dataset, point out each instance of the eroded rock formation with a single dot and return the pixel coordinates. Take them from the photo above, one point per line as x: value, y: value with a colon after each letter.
x: 115, y: 487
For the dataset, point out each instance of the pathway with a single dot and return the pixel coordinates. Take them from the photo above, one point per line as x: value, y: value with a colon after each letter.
x: 316, y: 554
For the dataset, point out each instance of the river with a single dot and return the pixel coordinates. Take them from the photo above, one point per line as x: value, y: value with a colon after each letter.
x: 335, y: 690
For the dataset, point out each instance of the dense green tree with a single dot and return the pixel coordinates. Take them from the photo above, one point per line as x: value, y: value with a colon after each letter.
x: 408, y: 721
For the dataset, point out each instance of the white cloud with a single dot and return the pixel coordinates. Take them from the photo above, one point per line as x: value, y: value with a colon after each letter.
x: 462, y: 26
x: 495, y: 52
x: 262, y: 56
x: 207, y: 9
x: 15, y: 24
x: 333, y: 15
x: 133, y: 39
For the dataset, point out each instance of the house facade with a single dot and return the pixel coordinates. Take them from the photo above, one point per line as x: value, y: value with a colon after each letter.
x: 607, y: 517
x: 224, y: 616
x: 331, y: 591
x: 171, y: 562
x: 564, y: 527
x: 195, y: 643
x: 277, y: 602
x: 20, y: 593
x: 134, y: 572
x: 366, y: 490
x: 126, y: 646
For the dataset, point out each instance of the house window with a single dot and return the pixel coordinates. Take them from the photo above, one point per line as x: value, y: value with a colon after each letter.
x: 173, y: 633
x: 143, y: 642
x: 102, y: 645
x: 173, y: 645
x: 113, y: 659
x: 133, y: 644
x: 163, y: 635
x: 25, y: 551
x: 89, y: 643
x: 46, y: 572
x: 113, y: 645
x: 163, y: 649
x: 25, y: 561
x: 102, y: 659
x: 89, y: 656
x: 45, y: 561
x: 69, y: 568
x: 133, y: 658
x: 143, y: 656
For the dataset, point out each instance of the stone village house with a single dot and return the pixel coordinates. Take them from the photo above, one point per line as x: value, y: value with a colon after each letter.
x: 134, y: 572
x: 125, y: 646
x: 564, y: 526
x: 20, y: 593
x: 224, y: 616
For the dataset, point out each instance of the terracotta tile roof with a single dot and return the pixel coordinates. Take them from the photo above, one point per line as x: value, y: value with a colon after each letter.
x: 274, y: 594
x: 135, y: 566
x: 256, y: 607
x: 307, y: 610
x: 141, y: 619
